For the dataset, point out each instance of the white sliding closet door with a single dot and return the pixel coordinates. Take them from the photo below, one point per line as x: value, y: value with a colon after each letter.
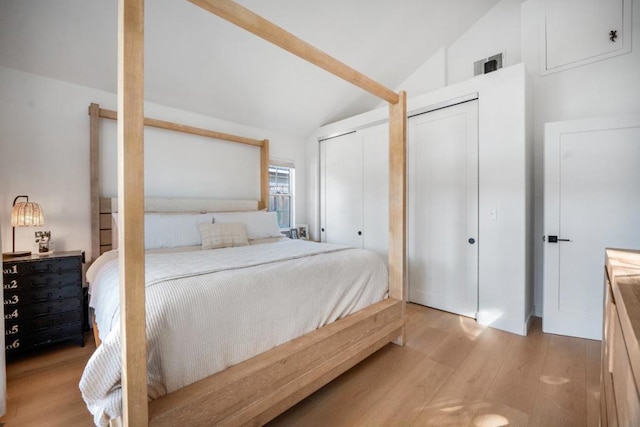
x: 342, y: 191
x: 375, y: 188
x: 443, y: 209
x: 354, y: 194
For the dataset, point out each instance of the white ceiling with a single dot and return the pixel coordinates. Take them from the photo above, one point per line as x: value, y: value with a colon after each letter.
x: 197, y: 62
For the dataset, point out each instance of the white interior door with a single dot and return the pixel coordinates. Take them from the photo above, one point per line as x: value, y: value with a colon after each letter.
x: 592, y: 199
x: 443, y: 209
x: 342, y: 192
x: 375, y: 187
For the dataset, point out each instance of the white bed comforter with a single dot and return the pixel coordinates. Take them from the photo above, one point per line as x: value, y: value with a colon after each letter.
x: 210, y: 309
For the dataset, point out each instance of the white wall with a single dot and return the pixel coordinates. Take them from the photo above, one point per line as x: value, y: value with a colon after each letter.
x: 44, y: 131
x: 504, y: 284
x: 429, y: 76
x: 496, y: 32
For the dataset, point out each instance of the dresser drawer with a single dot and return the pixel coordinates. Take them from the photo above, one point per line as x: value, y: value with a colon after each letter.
x: 22, y: 312
x: 42, y: 323
x: 15, y: 344
x: 34, y: 281
x: 627, y: 400
x: 36, y: 295
x: 54, y: 265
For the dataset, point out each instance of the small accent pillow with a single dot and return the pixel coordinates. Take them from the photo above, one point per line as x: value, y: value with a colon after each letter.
x: 260, y: 225
x: 223, y: 235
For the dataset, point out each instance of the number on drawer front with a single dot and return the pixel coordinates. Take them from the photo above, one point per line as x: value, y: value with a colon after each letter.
x: 12, y: 315
x: 11, y: 285
x: 13, y: 330
x: 13, y: 345
x: 12, y: 301
x: 10, y: 270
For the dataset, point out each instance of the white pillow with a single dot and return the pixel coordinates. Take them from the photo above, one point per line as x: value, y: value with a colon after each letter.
x: 260, y: 224
x: 223, y: 235
x: 172, y: 230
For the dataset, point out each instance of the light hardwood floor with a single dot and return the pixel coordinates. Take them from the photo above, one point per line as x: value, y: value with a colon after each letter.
x: 452, y: 372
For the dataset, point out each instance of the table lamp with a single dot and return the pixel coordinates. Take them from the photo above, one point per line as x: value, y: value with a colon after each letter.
x: 23, y: 214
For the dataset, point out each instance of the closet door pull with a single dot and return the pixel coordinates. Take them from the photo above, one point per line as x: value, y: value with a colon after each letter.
x: 472, y: 240
x: 359, y: 233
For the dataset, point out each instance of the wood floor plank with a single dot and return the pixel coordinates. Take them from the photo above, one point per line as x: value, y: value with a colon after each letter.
x: 493, y: 414
x: 453, y: 350
x: 560, y: 400
x: 517, y: 380
x: 346, y: 394
x: 403, y: 402
x: 593, y: 365
x: 427, y: 340
x: 456, y: 324
x: 462, y: 396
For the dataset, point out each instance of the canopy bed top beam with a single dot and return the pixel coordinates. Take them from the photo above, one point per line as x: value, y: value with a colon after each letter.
x: 162, y: 124
x: 244, y: 18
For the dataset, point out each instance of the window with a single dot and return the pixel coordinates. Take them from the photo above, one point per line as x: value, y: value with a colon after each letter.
x: 281, y: 184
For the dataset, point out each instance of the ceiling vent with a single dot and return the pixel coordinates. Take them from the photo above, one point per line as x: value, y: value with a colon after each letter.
x: 487, y: 65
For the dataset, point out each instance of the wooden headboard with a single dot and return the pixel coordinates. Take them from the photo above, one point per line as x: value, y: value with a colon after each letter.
x: 108, y: 206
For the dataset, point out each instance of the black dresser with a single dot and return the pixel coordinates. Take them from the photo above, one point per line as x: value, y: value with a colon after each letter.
x: 43, y: 300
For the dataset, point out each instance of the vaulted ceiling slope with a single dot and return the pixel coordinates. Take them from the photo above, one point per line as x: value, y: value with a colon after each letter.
x: 197, y: 62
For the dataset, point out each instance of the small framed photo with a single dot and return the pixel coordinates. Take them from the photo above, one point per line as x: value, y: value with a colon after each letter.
x: 303, y: 231
x: 43, y: 240
x: 293, y: 233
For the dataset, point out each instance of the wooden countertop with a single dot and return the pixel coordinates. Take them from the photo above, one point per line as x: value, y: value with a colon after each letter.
x: 623, y: 270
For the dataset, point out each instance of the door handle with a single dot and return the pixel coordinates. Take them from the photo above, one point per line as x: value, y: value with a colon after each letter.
x: 555, y: 239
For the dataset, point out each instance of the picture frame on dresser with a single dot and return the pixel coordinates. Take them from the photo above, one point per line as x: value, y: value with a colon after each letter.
x: 43, y: 301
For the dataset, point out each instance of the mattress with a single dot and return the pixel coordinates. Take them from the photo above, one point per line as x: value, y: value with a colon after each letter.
x: 211, y: 309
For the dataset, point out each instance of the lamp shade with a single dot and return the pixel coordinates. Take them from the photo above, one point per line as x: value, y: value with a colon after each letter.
x: 27, y: 214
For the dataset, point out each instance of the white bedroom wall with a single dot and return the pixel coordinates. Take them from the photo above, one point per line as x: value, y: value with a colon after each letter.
x: 429, y: 76
x: 44, y: 143
x: 498, y: 31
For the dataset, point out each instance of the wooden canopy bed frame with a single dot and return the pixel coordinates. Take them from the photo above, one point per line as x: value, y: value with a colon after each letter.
x: 257, y: 390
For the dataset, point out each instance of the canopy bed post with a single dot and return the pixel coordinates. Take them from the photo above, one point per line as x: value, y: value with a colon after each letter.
x: 94, y: 172
x: 398, y: 202
x: 131, y: 208
x: 264, y: 175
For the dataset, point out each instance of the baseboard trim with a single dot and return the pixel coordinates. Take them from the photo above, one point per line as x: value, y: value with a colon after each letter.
x: 502, y: 323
